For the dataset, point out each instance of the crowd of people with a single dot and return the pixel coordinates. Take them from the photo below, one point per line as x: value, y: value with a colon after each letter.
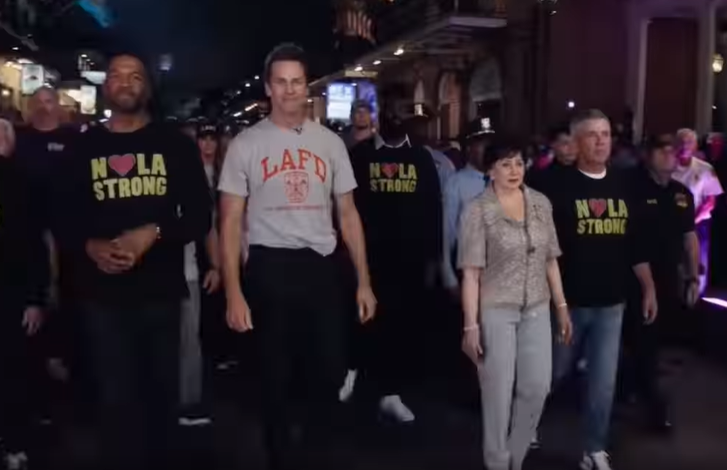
x: 115, y: 238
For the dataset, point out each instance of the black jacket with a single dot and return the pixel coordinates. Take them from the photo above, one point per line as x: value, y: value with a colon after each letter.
x: 24, y: 259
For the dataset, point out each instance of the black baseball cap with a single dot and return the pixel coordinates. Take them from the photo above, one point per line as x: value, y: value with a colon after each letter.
x: 358, y: 104
x: 206, y: 130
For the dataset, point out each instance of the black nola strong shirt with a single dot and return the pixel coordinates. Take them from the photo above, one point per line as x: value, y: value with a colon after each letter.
x: 121, y: 181
x: 599, y: 230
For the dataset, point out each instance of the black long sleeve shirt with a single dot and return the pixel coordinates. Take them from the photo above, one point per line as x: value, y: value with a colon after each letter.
x: 121, y: 181
x: 24, y: 260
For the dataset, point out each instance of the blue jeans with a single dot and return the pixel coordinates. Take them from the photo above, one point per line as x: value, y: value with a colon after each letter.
x: 596, y: 333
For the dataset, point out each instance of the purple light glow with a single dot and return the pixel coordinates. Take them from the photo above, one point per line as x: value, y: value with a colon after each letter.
x: 715, y: 301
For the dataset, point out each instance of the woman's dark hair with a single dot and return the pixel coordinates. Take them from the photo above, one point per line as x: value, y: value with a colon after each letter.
x: 501, y: 148
x: 287, y: 52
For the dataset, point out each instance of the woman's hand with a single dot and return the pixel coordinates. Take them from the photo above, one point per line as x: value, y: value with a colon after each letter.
x: 472, y: 345
x: 565, y: 325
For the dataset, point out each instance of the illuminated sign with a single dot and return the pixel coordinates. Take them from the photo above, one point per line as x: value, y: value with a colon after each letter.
x: 32, y: 77
x: 367, y: 93
x: 88, y: 99
x: 97, y: 77
x: 340, y: 98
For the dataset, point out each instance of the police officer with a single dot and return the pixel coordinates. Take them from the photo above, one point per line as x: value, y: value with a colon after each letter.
x: 668, y: 215
x: 460, y: 190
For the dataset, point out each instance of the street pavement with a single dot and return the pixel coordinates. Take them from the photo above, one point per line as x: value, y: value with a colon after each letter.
x: 446, y: 435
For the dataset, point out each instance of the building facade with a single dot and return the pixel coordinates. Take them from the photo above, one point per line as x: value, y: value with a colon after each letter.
x: 527, y: 65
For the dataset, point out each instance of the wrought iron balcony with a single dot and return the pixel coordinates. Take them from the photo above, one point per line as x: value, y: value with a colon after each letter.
x: 395, y: 18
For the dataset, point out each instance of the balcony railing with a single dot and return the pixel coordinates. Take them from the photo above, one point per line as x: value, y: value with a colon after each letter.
x: 396, y: 18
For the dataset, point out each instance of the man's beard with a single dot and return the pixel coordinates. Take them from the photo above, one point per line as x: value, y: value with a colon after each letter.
x: 134, y: 106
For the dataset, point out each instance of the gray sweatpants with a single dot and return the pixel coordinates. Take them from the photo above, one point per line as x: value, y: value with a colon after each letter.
x: 515, y: 379
x: 191, y: 349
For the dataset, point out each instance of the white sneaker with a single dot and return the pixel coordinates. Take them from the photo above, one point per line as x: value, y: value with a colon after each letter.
x: 393, y: 407
x: 194, y: 421
x: 535, y: 441
x: 348, y: 385
x: 596, y: 461
x: 17, y: 461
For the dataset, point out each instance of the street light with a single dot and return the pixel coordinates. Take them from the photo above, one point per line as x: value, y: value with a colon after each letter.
x: 717, y: 63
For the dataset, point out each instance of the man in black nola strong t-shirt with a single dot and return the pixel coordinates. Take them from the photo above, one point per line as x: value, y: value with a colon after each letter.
x: 138, y: 195
x: 598, y: 228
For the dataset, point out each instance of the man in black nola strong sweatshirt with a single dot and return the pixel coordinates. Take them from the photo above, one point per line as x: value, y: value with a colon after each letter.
x: 399, y: 199
x: 138, y: 195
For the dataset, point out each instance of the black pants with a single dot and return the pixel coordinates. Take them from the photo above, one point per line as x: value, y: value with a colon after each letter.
x: 295, y: 300
x: 644, y: 342
x: 355, y: 333
x: 399, y: 284
x: 19, y: 374
x: 135, y: 352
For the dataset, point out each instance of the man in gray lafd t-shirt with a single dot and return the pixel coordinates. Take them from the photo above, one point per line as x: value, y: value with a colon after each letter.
x: 287, y: 172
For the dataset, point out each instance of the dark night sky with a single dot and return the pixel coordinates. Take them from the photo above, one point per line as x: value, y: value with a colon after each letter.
x: 219, y: 42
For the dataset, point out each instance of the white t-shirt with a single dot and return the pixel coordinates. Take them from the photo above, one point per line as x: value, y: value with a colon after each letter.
x: 700, y: 178
x: 288, y: 178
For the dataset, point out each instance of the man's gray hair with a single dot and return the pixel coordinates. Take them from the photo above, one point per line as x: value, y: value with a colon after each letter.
x: 587, y: 115
x: 682, y: 133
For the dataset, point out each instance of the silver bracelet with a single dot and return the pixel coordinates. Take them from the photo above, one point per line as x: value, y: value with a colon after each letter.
x: 471, y: 328
x: 561, y: 305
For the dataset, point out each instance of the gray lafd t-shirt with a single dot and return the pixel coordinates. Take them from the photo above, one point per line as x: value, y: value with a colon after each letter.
x: 288, y: 178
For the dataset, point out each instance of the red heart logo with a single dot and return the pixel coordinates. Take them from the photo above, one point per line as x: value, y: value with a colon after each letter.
x: 390, y: 169
x: 122, y: 164
x: 598, y: 206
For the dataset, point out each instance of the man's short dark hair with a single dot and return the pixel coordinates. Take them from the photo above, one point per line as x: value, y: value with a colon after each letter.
x: 556, y: 132
x: 659, y: 142
x: 287, y: 52
x: 122, y: 53
x: 392, y: 127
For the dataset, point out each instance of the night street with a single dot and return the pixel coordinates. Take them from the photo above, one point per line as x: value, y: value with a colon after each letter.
x: 446, y: 436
